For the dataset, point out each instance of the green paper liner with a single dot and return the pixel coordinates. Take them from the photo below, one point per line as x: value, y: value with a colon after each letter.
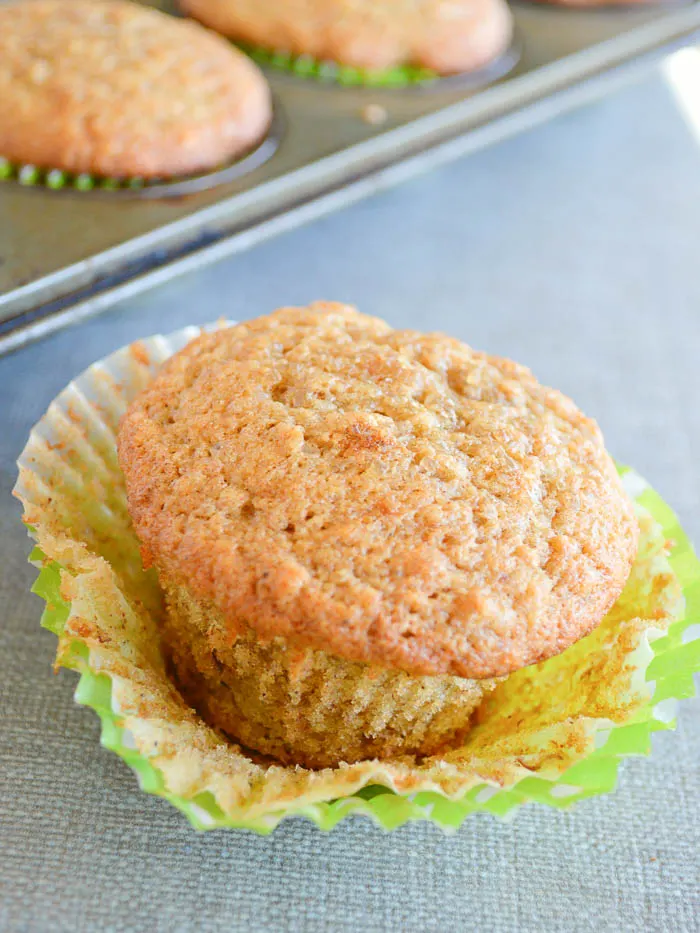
x: 553, y: 734
x: 306, y: 66
x: 31, y: 176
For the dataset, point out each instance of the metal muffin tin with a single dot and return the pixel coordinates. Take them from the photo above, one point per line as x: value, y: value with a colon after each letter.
x: 67, y: 254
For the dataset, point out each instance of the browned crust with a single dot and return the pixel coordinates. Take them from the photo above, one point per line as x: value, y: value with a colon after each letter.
x: 114, y: 88
x: 385, y: 496
x: 448, y: 36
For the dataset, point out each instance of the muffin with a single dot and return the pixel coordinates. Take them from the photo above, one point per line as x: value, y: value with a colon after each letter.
x: 360, y: 530
x: 447, y: 36
x: 117, y: 89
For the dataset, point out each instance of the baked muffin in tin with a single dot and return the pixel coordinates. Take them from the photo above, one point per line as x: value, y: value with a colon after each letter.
x: 445, y: 36
x: 114, y: 88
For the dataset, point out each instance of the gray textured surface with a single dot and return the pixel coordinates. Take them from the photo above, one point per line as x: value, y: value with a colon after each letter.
x: 573, y: 249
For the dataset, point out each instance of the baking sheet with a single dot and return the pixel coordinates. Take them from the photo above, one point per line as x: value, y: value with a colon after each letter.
x: 66, y: 254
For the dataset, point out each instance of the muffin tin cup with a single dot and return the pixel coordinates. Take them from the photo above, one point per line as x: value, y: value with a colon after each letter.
x: 554, y: 733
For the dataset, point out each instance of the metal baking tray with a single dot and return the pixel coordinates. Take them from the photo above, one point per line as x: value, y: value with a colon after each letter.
x: 68, y: 254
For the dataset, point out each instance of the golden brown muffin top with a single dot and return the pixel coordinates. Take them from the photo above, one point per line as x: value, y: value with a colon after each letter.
x: 383, y: 495
x: 115, y: 88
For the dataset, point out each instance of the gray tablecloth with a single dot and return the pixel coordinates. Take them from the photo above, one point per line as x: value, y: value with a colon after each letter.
x: 574, y: 249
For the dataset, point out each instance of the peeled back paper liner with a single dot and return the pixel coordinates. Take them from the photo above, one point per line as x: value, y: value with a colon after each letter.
x: 552, y: 733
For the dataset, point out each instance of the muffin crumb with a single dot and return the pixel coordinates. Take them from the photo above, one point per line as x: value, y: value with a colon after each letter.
x: 375, y: 114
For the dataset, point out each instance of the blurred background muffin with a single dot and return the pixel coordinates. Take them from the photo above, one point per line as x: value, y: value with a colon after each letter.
x: 446, y: 36
x: 359, y: 530
x: 116, y: 89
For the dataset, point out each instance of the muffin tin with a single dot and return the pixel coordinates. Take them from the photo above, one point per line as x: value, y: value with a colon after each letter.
x: 68, y: 253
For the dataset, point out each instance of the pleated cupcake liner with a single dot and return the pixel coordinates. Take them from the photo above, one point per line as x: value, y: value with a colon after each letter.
x: 331, y: 72
x: 553, y: 734
x: 32, y: 176
x: 303, y: 66
x: 56, y: 179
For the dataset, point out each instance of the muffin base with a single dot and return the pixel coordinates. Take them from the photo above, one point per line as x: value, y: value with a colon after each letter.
x: 307, y: 707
